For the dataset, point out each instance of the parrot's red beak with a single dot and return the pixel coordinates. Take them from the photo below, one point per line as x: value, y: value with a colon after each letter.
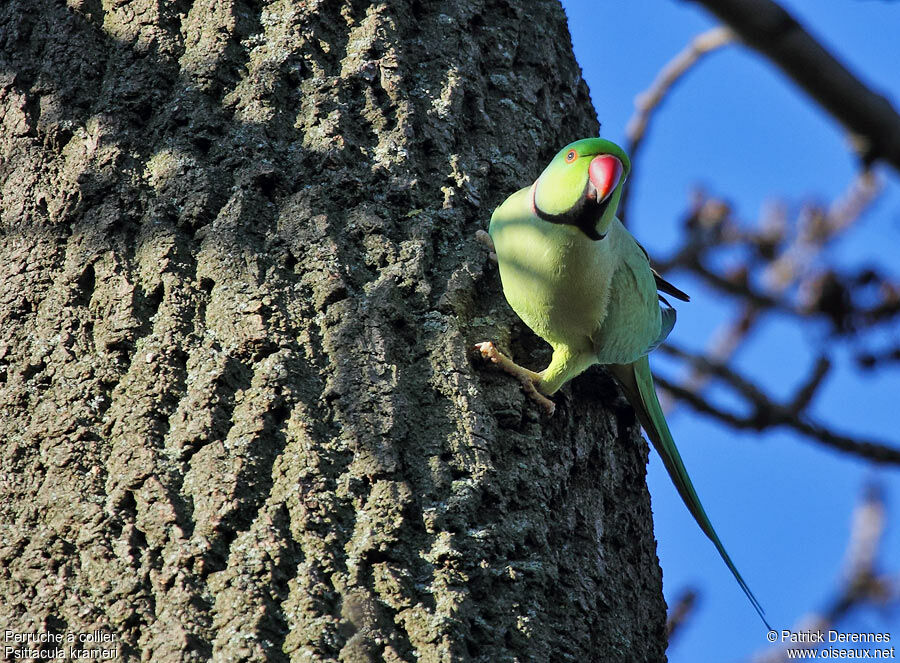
x: 605, y: 173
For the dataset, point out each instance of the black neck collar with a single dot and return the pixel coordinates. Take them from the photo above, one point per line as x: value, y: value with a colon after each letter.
x: 584, y: 214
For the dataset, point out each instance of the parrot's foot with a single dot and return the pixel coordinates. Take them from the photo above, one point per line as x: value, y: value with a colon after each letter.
x: 485, y: 239
x: 529, y: 379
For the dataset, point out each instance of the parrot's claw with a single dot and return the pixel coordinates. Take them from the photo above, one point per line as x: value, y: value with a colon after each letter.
x: 529, y: 379
x: 485, y: 239
x: 528, y: 385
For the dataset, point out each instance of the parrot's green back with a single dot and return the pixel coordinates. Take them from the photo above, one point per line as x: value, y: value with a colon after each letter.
x: 584, y: 285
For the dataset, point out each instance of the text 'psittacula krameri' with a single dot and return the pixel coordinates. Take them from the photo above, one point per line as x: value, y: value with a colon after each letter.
x: 580, y: 281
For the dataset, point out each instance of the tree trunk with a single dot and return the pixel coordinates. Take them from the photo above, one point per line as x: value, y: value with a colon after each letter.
x: 239, y: 411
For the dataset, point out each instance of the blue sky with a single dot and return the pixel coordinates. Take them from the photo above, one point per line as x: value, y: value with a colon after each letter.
x: 781, y: 504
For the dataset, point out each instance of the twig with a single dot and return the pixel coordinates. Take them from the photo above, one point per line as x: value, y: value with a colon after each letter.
x: 681, y: 612
x: 786, y: 270
x: 805, y: 393
x: 871, y: 360
x: 858, y: 197
x: 816, y: 229
x: 647, y: 102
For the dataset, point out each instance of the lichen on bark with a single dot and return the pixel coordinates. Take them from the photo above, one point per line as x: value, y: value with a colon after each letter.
x: 240, y: 415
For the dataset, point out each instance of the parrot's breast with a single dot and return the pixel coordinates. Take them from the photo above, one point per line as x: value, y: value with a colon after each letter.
x: 554, y: 277
x: 595, y: 297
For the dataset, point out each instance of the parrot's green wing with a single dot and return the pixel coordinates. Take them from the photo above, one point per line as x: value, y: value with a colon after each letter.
x: 667, y: 323
x: 637, y: 381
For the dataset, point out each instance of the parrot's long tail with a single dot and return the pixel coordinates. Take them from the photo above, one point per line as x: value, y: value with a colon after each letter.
x: 637, y: 381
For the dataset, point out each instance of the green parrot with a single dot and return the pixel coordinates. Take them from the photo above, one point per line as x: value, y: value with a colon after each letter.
x: 580, y: 281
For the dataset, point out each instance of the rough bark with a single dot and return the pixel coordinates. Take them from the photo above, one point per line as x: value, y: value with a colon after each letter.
x: 239, y: 413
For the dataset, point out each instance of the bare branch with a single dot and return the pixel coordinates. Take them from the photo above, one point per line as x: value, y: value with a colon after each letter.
x: 647, y: 102
x: 874, y: 450
x: 765, y: 413
x: 818, y: 227
x: 849, y: 207
x: 681, y: 612
x: 791, y: 265
x: 789, y: 270
x: 805, y: 393
x: 869, y: 117
x: 725, y: 342
x: 866, y: 535
x: 738, y: 285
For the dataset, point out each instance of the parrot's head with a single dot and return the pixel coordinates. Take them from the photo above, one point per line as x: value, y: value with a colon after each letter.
x: 582, y: 186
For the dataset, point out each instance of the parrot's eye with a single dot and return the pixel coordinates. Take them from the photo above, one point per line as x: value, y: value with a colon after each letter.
x: 570, y: 157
